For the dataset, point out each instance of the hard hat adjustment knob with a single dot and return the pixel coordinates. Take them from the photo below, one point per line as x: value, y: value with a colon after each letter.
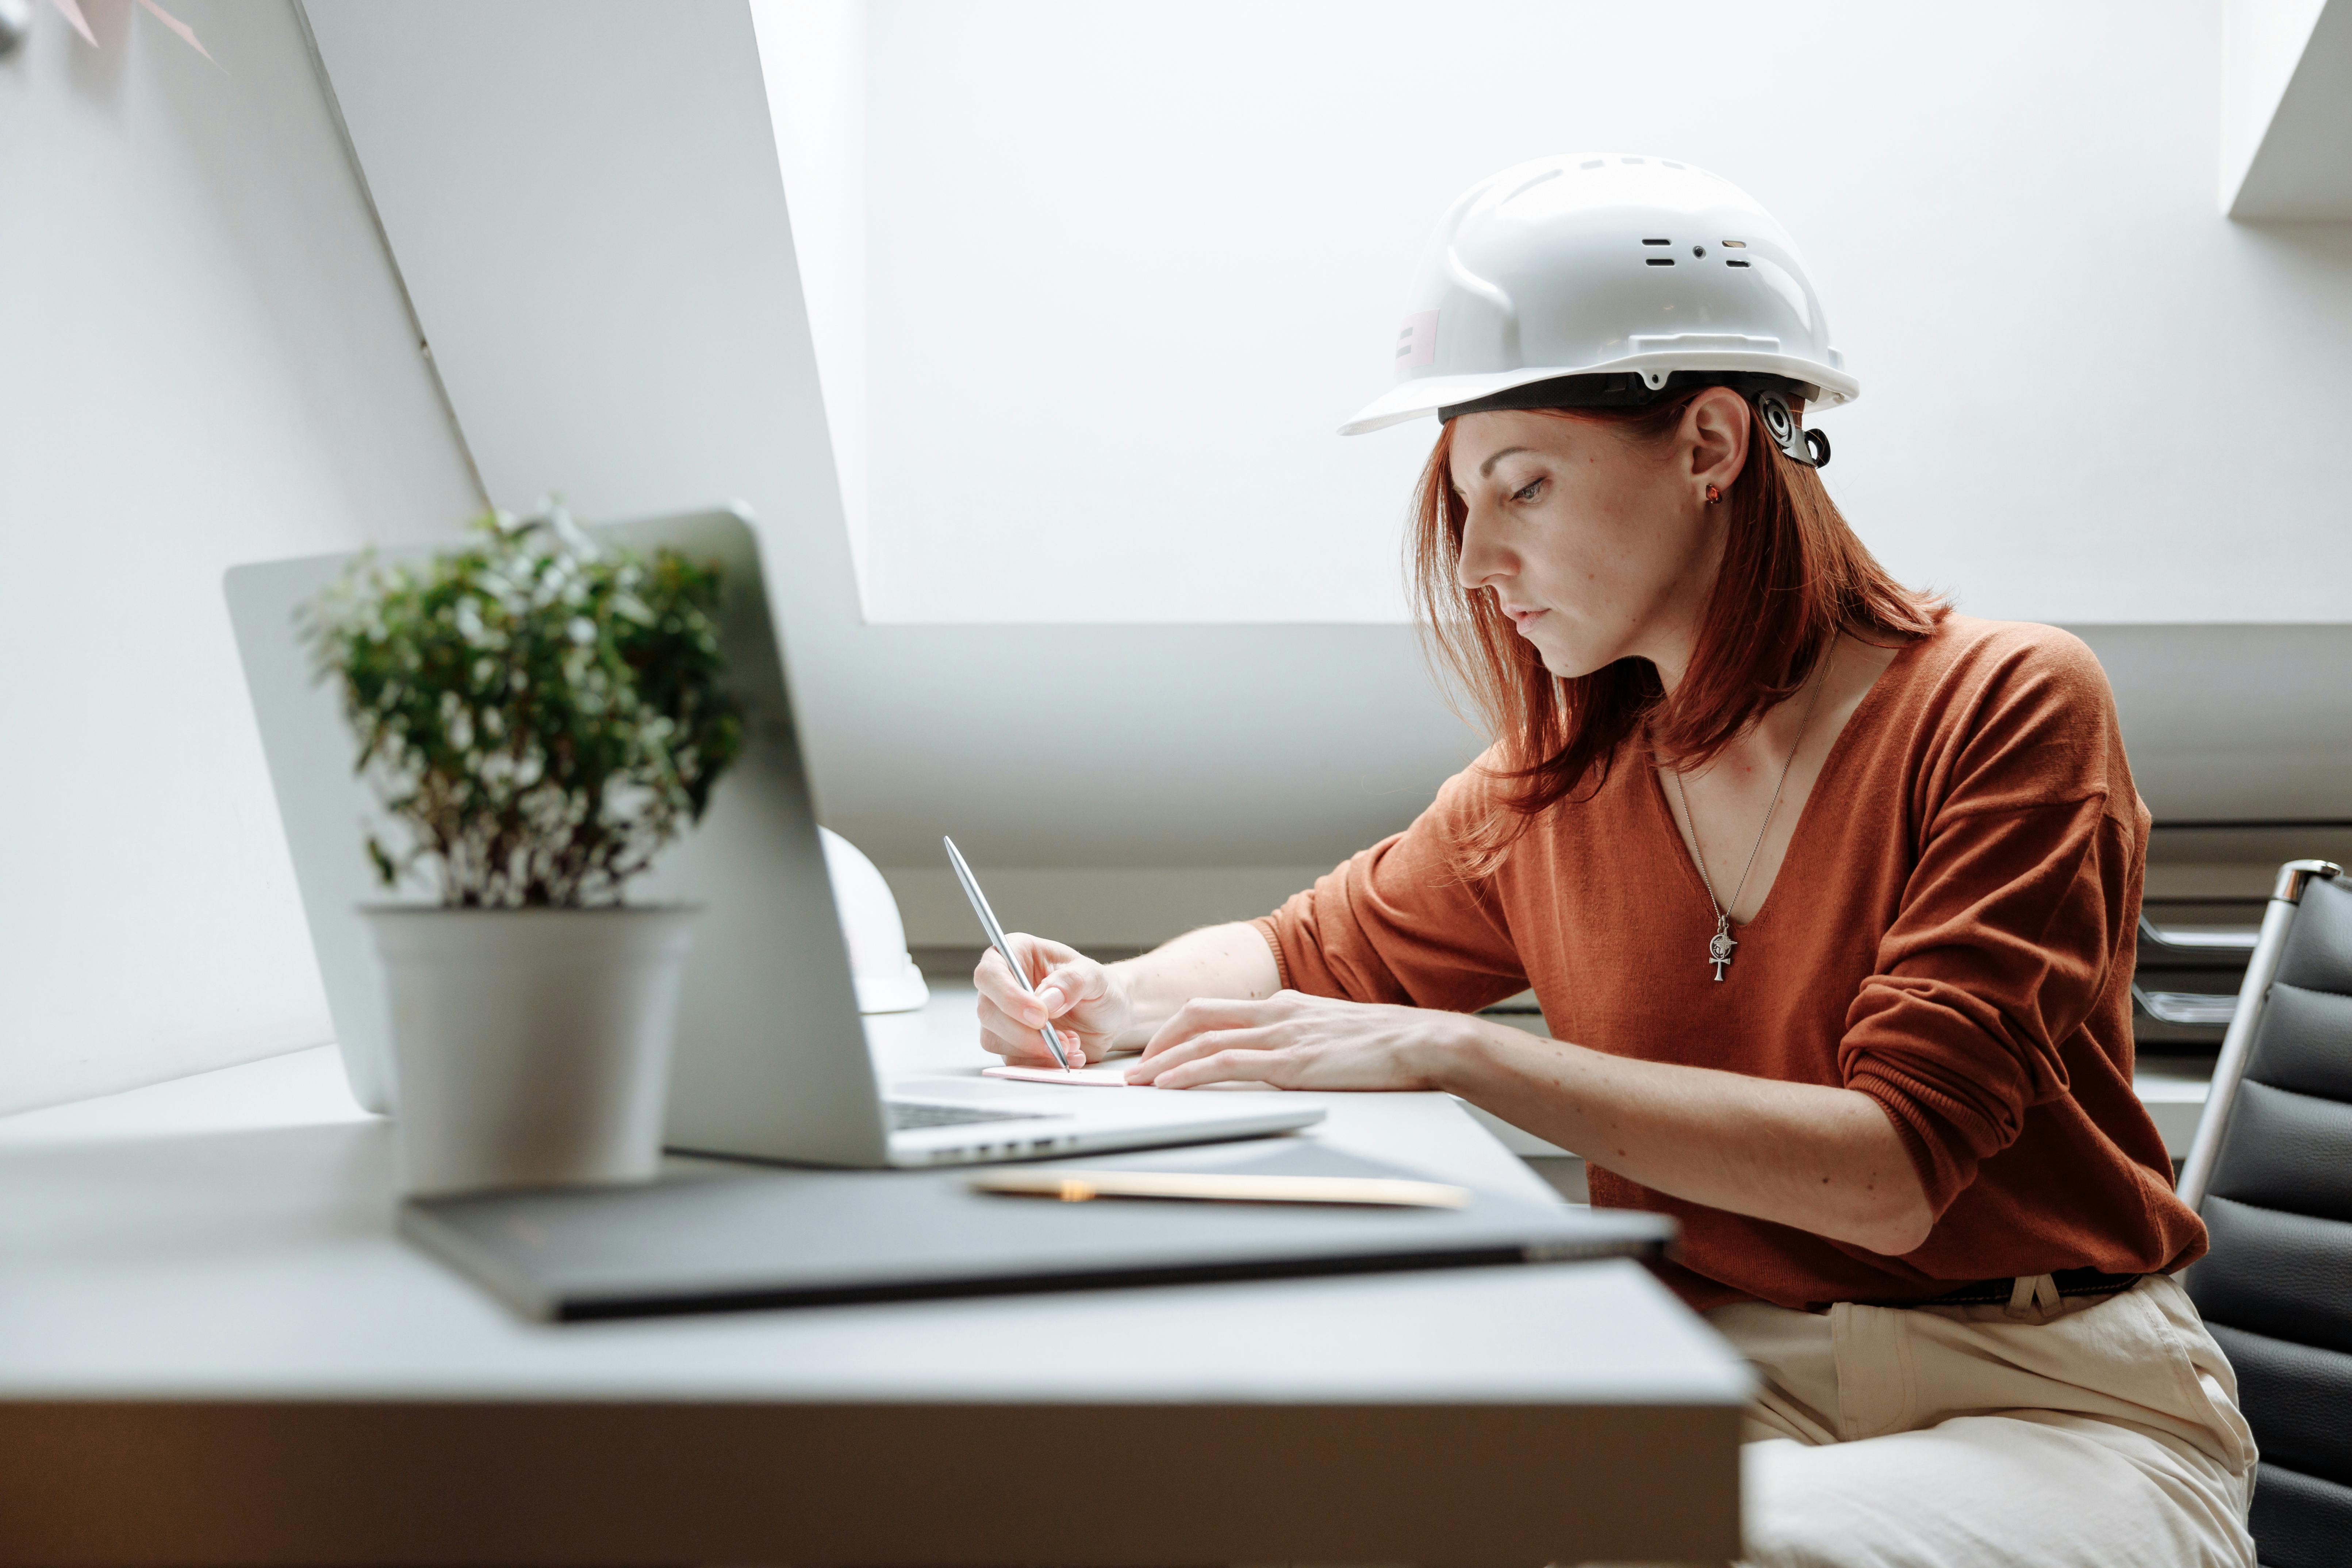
x: 1796, y: 443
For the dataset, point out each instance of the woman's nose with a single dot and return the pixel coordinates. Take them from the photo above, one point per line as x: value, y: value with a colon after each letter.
x: 1483, y: 559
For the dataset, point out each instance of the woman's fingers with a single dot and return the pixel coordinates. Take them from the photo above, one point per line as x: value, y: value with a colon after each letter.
x: 1070, y: 984
x: 998, y: 987
x: 994, y: 980
x: 1162, y: 1057
x: 1009, y: 1015
x: 1289, y: 1041
x: 1071, y: 992
x: 1060, y: 979
x: 1204, y: 1014
x: 997, y: 982
x: 1243, y: 1063
x: 1024, y: 1045
x: 1001, y: 1036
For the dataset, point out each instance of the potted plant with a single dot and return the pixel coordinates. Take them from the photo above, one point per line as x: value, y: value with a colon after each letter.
x: 538, y: 716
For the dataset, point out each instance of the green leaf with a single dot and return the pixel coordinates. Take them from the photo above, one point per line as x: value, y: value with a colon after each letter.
x: 539, y: 719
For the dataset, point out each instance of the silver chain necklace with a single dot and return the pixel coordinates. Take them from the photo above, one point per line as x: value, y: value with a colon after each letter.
x: 1720, y: 945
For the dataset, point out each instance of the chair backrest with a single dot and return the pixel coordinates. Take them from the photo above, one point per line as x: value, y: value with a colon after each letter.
x: 2276, y: 1289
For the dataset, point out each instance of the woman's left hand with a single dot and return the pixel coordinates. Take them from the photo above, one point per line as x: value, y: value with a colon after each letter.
x: 1292, y: 1040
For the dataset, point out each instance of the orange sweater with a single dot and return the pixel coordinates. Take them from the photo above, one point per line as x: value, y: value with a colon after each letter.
x: 1951, y: 933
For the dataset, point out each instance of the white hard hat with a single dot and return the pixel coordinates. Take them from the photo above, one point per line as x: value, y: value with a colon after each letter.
x: 1638, y: 277
x: 879, y: 965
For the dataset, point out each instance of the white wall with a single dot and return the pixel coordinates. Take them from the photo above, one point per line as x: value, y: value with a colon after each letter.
x: 1128, y: 265
x: 204, y: 359
x: 639, y: 374
x: 813, y: 56
x: 536, y: 162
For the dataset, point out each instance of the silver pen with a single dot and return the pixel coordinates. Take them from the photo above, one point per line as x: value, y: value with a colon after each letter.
x: 996, y: 940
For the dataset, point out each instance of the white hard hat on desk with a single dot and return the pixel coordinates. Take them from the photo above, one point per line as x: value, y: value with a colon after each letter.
x: 1634, y: 276
x: 879, y: 965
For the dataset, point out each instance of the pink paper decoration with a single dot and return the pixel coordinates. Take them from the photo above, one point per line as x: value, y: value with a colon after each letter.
x: 187, y: 34
x: 71, y: 11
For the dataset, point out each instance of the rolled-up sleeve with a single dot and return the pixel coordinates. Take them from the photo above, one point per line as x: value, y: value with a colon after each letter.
x: 2011, y: 921
x: 1401, y: 921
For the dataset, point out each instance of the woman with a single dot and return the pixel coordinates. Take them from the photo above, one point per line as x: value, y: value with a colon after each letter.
x: 1827, y: 896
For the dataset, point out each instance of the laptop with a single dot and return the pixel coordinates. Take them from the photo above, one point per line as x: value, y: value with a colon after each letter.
x: 771, y: 1060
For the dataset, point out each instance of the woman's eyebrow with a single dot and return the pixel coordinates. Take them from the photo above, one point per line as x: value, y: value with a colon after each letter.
x: 1488, y: 466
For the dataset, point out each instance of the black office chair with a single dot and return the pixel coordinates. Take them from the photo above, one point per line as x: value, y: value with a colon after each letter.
x: 2271, y: 1172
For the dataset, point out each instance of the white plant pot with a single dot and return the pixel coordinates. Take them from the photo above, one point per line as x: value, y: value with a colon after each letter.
x: 532, y: 1048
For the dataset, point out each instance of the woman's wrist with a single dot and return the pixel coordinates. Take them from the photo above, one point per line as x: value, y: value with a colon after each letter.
x: 1491, y: 1065
x: 1455, y: 1054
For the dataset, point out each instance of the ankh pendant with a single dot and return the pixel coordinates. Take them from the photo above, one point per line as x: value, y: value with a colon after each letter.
x: 1720, y: 945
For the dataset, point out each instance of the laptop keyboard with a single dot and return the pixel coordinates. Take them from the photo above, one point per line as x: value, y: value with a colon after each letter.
x: 906, y: 1114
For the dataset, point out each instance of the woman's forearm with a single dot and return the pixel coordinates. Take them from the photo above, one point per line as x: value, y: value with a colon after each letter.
x: 1820, y: 1159
x: 1227, y: 961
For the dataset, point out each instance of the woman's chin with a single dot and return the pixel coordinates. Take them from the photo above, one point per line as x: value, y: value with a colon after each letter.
x: 1571, y: 664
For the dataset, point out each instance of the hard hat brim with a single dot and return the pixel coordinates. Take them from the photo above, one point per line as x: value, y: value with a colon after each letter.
x: 1427, y: 394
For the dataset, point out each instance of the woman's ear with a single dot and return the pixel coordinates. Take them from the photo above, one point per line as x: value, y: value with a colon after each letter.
x: 1716, y: 428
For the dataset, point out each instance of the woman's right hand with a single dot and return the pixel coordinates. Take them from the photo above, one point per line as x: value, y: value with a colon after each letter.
x: 1084, y: 1000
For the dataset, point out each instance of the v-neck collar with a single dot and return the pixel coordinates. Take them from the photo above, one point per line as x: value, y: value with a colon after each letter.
x: 1694, y: 882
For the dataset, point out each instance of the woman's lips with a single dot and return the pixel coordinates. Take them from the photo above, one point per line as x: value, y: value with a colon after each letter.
x: 1523, y: 619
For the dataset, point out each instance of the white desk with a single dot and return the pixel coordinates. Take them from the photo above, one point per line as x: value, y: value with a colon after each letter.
x: 213, y: 1349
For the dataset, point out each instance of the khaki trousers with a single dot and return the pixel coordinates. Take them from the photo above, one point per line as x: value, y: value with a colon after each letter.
x: 2091, y: 1431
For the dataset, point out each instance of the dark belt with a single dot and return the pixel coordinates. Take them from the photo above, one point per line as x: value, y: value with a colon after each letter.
x: 1998, y: 1293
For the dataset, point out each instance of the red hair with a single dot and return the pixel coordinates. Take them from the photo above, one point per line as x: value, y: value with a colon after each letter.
x: 1794, y: 577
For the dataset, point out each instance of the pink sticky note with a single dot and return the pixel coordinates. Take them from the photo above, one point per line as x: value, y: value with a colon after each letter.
x: 1081, y: 1077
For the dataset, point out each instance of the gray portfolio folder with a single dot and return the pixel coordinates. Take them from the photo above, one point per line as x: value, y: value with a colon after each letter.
x: 779, y: 1238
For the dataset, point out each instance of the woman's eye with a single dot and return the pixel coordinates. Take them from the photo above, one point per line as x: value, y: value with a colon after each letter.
x: 1526, y: 492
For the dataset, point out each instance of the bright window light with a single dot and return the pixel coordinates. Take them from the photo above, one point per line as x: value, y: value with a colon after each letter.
x: 1091, y: 284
